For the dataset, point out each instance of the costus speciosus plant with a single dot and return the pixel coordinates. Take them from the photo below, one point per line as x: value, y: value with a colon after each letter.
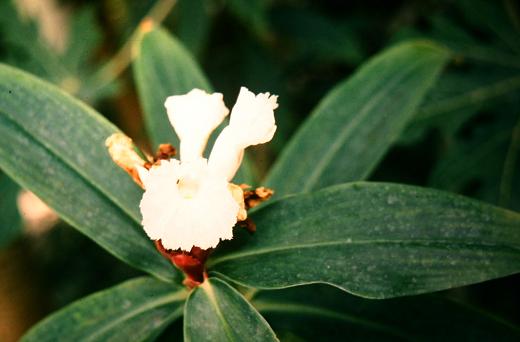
x: 312, y: 245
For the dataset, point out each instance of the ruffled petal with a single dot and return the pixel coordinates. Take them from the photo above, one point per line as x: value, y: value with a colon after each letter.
x: 252, y: 122
x: 160, y: 185
x: 252, y: 118
x: 184, y: 205
x: 194, y: 116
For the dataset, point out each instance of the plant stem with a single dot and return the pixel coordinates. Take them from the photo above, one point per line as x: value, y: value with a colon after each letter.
x: 475, y: 96
x: 121, y: 60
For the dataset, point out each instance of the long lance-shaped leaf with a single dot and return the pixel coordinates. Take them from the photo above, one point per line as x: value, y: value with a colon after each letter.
x: 132, y: 311
x: 324, y: 313
x: 357, y: 122
x: 217, y: 312
x: 163, y: 67
x: 375, y: 240
x: 53, y: 145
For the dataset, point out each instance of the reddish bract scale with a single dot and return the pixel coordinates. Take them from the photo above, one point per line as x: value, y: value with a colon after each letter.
x: 192, y: 263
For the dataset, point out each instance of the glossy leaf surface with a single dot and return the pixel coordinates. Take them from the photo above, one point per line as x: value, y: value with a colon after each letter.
x: 375, y: 240
x: 217, y: 312
x: 131, y: 311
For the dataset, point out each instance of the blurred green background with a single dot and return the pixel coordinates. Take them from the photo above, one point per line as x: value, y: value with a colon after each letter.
x: 465, y: 138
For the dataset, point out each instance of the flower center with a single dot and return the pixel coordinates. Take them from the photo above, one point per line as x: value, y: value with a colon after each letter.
x: 188, y: 186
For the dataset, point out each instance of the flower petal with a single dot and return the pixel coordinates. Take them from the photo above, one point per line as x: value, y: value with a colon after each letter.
x: 183, y: 218
x: 252, y: 123
x: 194, y: 116
x: 226, y: 155
x: 252, y: 118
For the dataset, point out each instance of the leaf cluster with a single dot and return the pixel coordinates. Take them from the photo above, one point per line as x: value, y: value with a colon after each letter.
x: 334, y: 238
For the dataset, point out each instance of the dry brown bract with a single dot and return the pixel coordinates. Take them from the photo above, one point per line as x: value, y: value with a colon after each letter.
x: 123, y: 152
x: 165, y: 152
x: 252, y: 198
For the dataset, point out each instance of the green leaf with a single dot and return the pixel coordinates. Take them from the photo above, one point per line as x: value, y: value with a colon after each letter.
x: 374, y: 240
x: 217, y: 312
x: 463, y: 41
x: 25, y: 47
x: 462, y: 93
x: 54, y: 146
x: 353, y: 127
x: 195, y: 19
x: 463, y: 44
x: 324, y: 313
x: 493, y: 16
x: 70, y: 69
x: 163, y: 67
x: 306, y: 28
x: 131, y: 311
x: 481, y: 158
x: 252, y: 14
x: 85, y: 37
x: 10, y: 221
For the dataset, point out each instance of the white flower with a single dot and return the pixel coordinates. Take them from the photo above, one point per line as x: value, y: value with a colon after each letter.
x: 252, y: 123
x: 191, y: 202
x: 252, y: 119
x: 186, y: 205
x: 194, y: 116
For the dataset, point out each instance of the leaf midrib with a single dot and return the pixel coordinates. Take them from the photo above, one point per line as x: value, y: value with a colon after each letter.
x: 70, y: 166
x: 96, y: 117
x: 425, y: 243
x: 160, y: 301
x: 210, y: 293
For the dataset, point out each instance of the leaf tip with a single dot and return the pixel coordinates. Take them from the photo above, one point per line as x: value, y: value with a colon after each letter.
x: 146, y: 25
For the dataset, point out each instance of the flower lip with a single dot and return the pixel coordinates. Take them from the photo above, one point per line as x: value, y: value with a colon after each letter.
x: 183, y: 211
